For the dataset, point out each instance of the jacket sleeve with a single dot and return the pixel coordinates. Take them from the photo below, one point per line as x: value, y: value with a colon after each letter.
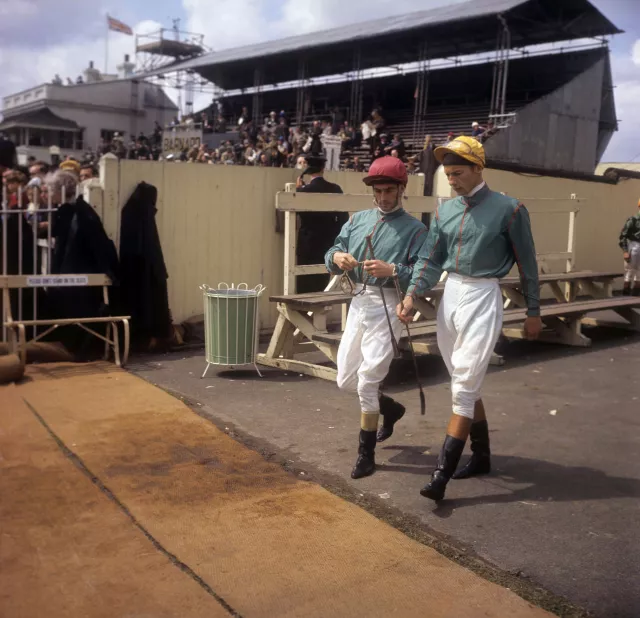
x: 524, y: 250
x: 341, y: 244
x: 405, y: 271
x: 625, y: 234
x: 428, y: 267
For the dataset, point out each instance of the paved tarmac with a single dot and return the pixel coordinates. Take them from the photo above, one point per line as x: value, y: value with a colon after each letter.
x: 561, y: 509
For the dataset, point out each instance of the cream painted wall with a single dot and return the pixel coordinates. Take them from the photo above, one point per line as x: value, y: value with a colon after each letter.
x: 217, y: 223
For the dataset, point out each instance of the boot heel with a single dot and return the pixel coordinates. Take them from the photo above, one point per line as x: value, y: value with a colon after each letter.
x: 447, y: 463
x: 366, y: 462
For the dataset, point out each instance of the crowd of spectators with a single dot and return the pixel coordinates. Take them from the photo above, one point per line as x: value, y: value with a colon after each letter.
x: 29, y: 187
x: 271, y: 143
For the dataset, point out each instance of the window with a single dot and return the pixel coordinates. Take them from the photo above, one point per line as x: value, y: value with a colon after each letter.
x: 66, y: 140
x: 79, y: 139
x: 37, y: 137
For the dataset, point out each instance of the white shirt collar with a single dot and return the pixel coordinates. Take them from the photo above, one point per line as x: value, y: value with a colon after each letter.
x: 474, y: 191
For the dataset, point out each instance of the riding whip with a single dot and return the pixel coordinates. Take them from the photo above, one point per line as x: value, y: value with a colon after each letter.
x: 394, y: 343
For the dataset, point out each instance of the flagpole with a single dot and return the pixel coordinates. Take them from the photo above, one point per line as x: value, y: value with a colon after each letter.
x: 106, y: 48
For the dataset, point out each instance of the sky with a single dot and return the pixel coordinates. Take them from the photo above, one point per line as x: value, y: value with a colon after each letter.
x: 39, y: 38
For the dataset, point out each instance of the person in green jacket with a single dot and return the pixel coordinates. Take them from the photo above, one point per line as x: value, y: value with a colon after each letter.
x: 366, y: 348
x: 630, y: 245
x: 476, y: 238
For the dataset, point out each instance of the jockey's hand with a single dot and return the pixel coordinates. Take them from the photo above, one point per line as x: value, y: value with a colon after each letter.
x: 378, y: 269
x: 627, y: 256
x: 532, y: 328
x: 404, y: 310
x: 344, y: 261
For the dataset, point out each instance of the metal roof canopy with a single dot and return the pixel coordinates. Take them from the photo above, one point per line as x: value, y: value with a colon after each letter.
x: 538, y: 74
x: 452, y: 30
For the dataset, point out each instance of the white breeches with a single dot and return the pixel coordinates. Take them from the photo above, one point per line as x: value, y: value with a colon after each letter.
x: 469, y: 324
x: 365, y: 351
x: 632, y: 267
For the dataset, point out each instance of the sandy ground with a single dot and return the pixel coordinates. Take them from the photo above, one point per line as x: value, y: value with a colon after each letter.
x: 118, y: 500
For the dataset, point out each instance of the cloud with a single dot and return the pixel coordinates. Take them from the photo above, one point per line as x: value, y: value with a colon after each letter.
x: 40, y: 24
x: 626, y: 78
x: 66, y: 58
x: 635, y: 53
x: 232, y: 23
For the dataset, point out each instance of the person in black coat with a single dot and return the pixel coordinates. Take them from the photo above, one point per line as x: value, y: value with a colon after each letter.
x: 81, y: 246
x: 316, y: 228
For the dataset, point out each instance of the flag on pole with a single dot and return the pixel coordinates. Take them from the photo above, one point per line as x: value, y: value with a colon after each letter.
x: 118, y: 26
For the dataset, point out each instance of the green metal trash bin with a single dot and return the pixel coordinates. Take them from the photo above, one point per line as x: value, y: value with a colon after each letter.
x: 231, y: 325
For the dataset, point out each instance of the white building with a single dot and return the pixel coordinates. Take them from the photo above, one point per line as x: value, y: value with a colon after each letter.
x: 74, y: 117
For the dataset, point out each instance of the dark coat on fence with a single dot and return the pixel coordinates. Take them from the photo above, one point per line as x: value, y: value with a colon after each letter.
x: 144, y: 274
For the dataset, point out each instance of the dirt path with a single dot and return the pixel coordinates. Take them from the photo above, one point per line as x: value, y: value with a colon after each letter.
x: 118, y: 500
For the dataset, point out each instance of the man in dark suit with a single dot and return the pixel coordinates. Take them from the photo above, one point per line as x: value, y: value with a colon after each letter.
x: 316, y: 228
x: 317, y: 184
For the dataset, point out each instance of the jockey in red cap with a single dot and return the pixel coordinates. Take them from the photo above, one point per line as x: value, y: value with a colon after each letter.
x: 366, y: 348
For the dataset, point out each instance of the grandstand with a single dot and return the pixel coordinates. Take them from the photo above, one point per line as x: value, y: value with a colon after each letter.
x: 556, y: 108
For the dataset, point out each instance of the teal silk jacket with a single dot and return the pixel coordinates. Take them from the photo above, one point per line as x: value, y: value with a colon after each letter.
x: 480, y: 236
x: 630, y: 231
x: 397, y: 238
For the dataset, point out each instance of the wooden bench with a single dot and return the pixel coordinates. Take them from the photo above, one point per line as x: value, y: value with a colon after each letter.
x: 302, y: 323
x: 17, y: 328
x: 564, y: 317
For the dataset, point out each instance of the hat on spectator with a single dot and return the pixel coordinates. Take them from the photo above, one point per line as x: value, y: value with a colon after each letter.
x: 462, y: 150
x: 70, y: 166
x: 315, y: 164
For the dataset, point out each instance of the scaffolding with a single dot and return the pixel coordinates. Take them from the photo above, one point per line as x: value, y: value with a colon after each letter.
x: 497, y: 110
x: 165, y: 46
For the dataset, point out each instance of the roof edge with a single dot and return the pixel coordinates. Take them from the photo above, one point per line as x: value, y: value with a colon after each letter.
x: 518, y: 168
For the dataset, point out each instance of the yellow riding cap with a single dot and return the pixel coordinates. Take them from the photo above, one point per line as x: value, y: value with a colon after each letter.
x: 465, y: 147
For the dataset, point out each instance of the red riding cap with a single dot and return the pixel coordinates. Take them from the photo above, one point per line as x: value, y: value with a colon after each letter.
x: 387, y: 169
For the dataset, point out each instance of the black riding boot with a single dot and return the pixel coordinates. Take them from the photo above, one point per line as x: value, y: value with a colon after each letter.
x: 626, y: 288
x: 392, y: 411
x: 366, y: 463
x: 447, y: 463
x: 480, y: 461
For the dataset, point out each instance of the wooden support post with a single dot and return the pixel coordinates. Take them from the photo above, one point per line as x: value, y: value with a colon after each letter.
x: 557, y: 291
x: 282, y: 339
x: 426, y: 308
x: 309, y: 369
x: 570, y: 287
x: 607, y: 288
x: 568, y: 331
x: 306, y: 327
x: 515, y: 297
x: 591, y: 289
x: 631, y: 315
x: 290, y: 249
x: 110, y: 181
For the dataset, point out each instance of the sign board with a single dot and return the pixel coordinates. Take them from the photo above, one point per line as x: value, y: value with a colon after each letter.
x: 175, y: 141
x: 57, y: 281
x: 332, y: 146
